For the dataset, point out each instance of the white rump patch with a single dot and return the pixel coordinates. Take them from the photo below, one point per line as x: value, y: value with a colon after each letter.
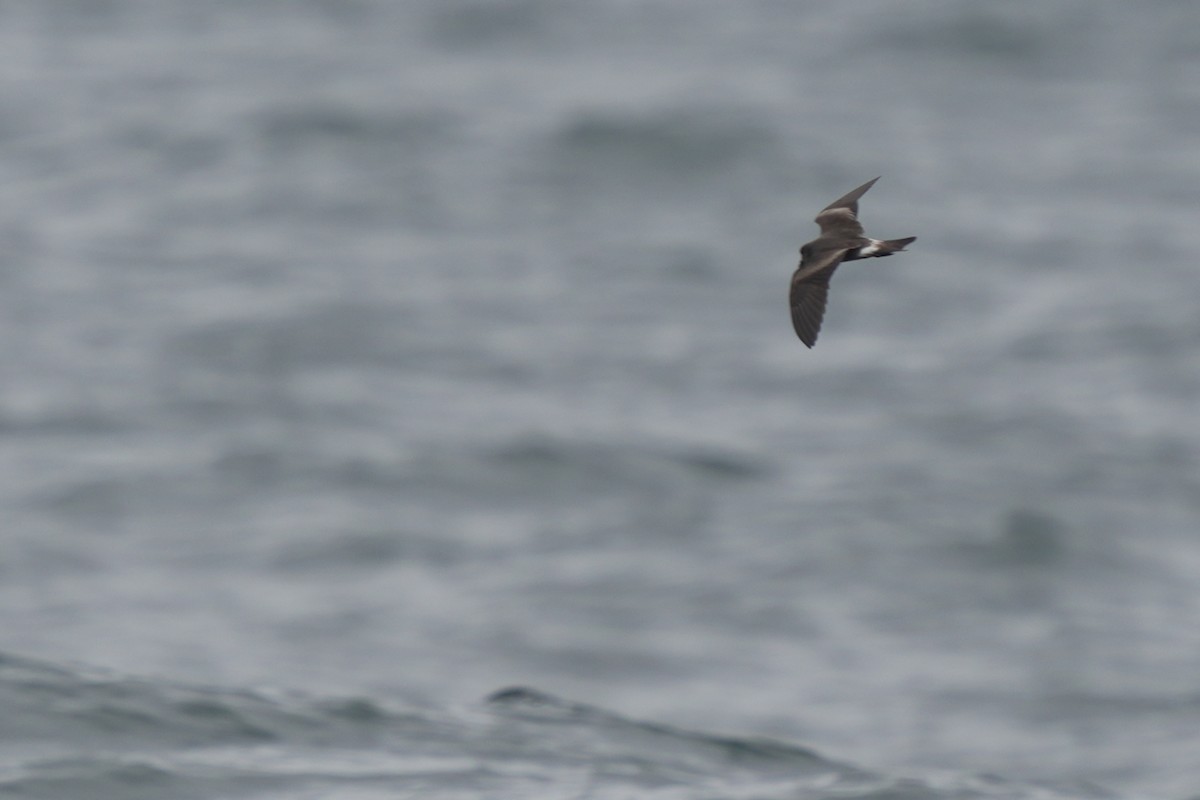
x: 871, y: 249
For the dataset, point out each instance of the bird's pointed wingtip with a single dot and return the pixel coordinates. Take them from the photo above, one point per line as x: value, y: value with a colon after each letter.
x: 850, y: 199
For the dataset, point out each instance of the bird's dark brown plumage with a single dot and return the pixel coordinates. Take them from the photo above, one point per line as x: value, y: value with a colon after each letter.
x: 841, y: 240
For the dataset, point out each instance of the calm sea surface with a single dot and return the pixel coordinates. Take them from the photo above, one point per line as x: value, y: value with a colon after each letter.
x: 363, y: 359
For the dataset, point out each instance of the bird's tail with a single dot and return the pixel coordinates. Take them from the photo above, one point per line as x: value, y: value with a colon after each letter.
x: 889, y: 246
x: 878, y: 248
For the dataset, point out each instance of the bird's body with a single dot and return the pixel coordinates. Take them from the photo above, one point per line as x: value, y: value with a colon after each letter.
x: 841, y: 240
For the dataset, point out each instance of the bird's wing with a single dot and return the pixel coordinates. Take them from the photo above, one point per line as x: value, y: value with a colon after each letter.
x: 839, y: 222
x: 810, y: 290
x: 841, y: 216
x: 850, y: 199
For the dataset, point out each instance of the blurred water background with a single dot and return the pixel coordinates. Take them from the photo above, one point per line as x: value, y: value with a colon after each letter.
x: 363, y: 358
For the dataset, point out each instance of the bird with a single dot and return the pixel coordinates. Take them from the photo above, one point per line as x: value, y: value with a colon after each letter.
x: 841, y: 240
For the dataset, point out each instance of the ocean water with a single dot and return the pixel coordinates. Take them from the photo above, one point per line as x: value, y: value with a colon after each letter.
x: 400, y: 400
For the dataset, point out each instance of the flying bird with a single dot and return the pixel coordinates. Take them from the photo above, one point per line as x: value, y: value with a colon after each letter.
x: 841, y: 240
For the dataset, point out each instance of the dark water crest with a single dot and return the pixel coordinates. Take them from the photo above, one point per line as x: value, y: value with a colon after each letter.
x: 96, y: 735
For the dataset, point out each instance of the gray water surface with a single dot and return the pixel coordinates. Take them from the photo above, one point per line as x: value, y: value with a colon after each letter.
x: 402, y: 352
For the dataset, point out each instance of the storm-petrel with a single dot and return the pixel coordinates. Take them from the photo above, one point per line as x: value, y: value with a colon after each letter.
x: 841, y: 240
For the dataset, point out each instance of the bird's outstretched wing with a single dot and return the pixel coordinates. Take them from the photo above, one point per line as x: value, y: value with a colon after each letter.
x: 850, y: 199
x: 810, y: 290
x: 841, y: 216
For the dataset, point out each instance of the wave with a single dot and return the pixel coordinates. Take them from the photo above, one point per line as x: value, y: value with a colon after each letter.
x: 74, y: 731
